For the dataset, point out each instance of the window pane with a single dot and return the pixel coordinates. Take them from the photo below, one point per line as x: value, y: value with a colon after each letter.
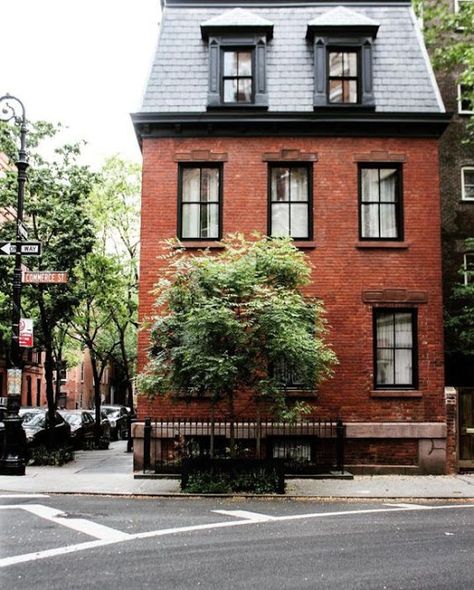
x: 370, y: 184
x: 385, y: 368
x: 335, y: 63
x: 230, y: 63
x: 299, y: 221
x: 388, y: 184
x: 190, y: 222
x: 210, y: 184
x: 388, y: 221
x: 335, y: 91
x: 299, y: 184
x: 403, y: 330
x: 403, y: 367
x: 209, y: 225
x: 468, y: 182
x: 385, y: 330
x: 245, y: 91
x: 350, y: 64
x: 245, y: 63
x: 191, y: 180
x: 230, y: 90
x: 370, y: 221
x: 280, y: 184
x: 280, y: 220
x: 350, y: 91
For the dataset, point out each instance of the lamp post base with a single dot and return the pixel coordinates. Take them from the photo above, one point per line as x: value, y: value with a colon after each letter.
x: 14, y: 456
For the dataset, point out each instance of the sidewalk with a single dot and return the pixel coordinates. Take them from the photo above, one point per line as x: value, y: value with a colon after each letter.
x: 110, y: 473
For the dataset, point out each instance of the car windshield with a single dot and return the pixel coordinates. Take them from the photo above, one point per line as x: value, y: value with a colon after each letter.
x: 28, y: 416
x: 73, y: 419
x: 38, y: 420
x: 113, y: 412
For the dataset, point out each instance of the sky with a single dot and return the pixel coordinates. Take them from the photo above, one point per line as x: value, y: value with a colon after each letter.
x: 83, y: 63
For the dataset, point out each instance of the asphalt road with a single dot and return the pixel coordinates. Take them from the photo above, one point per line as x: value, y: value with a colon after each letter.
x: 112, y: 543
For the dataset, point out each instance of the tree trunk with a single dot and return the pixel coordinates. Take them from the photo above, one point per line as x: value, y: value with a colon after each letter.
x: 48, y: 371
x: 97, y: 400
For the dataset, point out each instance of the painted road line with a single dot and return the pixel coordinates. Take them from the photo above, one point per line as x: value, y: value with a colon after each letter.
x: 203, y: 527
x: 254, y: 516
x: 410, y: 506
x: 19, y: 496
x: 93, y: 529
x: 16, y: 559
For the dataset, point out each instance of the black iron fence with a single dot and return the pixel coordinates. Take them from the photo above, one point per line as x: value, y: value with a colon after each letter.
x: 305, y: 447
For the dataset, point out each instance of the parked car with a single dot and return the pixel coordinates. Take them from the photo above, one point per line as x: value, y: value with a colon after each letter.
x: 105, y: 428
x: 118, y: 418
x: 82, y: 427
x: 28, y: 413
x: 36, y: 428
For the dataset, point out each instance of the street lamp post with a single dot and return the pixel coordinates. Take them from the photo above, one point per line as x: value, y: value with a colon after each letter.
x: 14, y: 456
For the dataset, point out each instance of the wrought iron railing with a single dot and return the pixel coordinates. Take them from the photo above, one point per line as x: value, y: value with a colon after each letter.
x: 305, y: 447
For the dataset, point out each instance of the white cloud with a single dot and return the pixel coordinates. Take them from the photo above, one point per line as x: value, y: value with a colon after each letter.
x: 83, y: 63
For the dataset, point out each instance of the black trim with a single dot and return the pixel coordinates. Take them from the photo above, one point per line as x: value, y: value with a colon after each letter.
x: 309, y: 167
x: 273, y: 4
x: 398, y: 203
x: 333, y: 123
x: 200, y: 166
x: 414, y: 322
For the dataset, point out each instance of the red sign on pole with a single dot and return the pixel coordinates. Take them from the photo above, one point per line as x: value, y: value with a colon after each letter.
x: 26, y: 333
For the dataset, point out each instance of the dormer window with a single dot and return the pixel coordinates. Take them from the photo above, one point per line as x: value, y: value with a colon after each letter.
x: 342, y: 41
x: 237, y: 79
x: 343, y: 80
x: 237, y: 59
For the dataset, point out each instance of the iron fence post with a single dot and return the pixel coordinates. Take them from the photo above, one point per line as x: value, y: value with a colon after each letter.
x: 129, y: 434
x: 340, y: 432
x: 147, y: 445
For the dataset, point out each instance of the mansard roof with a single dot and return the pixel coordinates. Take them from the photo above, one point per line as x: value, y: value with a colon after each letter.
x: 402, y: 74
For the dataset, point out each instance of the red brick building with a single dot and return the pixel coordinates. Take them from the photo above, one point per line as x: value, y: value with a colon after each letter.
x: 321, y: 122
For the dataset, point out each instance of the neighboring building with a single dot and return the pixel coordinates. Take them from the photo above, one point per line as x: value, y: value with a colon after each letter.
x: 457, y: 220
x: 319, y: 121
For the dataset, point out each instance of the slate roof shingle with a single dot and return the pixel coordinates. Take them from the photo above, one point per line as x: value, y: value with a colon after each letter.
x: 178, y: 82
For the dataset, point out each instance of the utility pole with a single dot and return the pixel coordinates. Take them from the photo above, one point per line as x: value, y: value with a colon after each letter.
x: 14, y: 456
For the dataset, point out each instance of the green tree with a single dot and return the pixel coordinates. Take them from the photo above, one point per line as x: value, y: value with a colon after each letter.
x: 115, y: 207
x: 224, y: 322
x: 460, y: 322
x: 99, y: 290
x: 56, y: 194
x: 449, y: 37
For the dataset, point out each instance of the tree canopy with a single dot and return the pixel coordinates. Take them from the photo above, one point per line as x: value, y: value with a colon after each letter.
x: 231, y: 321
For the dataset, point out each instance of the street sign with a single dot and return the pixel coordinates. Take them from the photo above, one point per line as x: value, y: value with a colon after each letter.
x: 26, y: 248
x: 14, y: 381
x: 48, y: 276
x: 25, y: 339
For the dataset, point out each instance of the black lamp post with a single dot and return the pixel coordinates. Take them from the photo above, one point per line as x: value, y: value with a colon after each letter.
x: 14, y: 456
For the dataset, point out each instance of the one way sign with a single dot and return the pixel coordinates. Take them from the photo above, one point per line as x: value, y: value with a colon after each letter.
x: 26, y: 248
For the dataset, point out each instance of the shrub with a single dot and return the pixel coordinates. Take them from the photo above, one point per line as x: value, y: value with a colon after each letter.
x: 43, y: 456
x: 254, y: 480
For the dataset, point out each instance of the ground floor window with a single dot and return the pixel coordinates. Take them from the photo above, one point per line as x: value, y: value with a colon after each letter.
x: 395, y: 348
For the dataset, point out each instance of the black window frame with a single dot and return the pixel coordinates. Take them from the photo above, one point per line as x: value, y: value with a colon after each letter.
x: 414, y: 348
x: 344, y: 49
x: 398, y: 202
x: 309, y: 169
x: 257, y: 46
x: 223, y: 77
x: 200, y: 166
x: 290, y: 383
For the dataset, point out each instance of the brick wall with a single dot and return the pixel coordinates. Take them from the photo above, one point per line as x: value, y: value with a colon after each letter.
x: 342, y: 270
